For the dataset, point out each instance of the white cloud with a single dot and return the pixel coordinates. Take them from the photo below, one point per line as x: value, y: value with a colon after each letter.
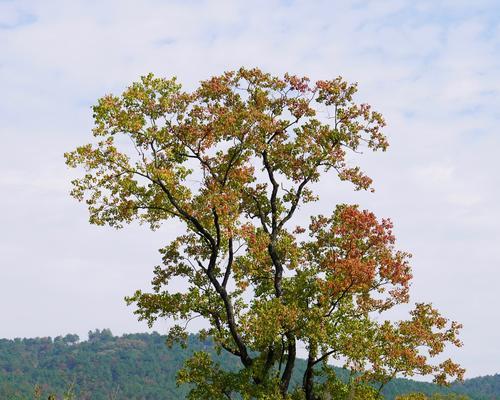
x: 464, y: 199
x: 436, y: 173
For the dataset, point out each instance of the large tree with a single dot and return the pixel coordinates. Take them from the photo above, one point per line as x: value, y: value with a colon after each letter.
x: 234, y: 160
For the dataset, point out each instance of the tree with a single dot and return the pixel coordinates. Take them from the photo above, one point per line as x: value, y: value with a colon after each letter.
x: 71, y: 338
x: 100, y: 336
x: 234, y: 160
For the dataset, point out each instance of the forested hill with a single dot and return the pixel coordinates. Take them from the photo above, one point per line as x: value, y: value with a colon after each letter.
x: 139, y: 366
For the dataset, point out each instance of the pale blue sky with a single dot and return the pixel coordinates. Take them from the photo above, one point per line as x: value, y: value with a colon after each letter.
x: 431, y: 67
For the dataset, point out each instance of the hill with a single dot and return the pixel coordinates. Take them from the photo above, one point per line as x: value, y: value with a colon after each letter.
x: 140, y: 366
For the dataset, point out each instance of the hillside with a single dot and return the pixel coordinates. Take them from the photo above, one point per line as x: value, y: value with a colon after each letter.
x: 140, y: 366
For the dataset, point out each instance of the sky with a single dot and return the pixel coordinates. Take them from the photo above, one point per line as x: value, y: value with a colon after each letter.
x: 431, y: 67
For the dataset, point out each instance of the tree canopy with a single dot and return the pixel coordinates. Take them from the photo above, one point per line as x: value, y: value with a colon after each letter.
x: 234, y: 160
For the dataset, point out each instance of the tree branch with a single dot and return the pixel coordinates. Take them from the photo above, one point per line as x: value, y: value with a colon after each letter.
x: 295, y: 203
x: 274, y: 193
x: 308, y: 379
x: 290, y: 363
x: 231, y: 321
x: 229, y: 263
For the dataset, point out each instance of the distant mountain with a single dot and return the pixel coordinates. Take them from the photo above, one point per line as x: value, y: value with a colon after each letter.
x: 140, y: 366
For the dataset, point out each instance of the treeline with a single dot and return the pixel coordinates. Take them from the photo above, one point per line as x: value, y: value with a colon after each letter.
x: 142, y: 367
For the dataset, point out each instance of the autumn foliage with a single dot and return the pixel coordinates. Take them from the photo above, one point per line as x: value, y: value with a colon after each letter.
x: 234, y: 160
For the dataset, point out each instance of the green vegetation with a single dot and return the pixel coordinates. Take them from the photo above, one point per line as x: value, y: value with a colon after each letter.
x: 138, y: 366
x: 141, y: 366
